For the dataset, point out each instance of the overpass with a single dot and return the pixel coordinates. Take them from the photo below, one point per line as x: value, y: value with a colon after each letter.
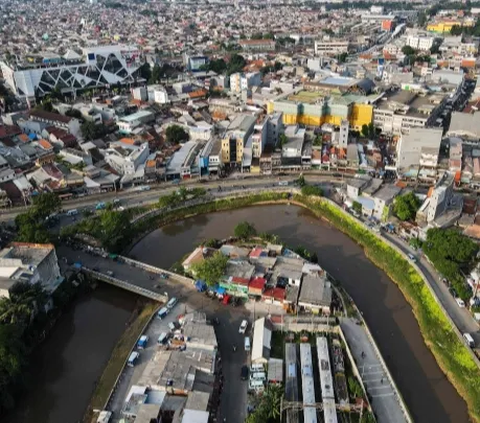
x: 123, y: 272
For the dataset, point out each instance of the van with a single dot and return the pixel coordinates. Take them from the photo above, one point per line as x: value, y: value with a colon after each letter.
x: 133, y: 358
x: 247, y: 343
x: 469, y: 340
x: 172, y: 326
x: 162, y: 313
x: 162, y: 338
x: 171, y: 303
x: 72, y: 212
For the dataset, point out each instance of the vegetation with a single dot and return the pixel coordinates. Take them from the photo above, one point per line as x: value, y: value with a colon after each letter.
x: 369, y: 131
x: 217, y: 65
x: 93, y: 131
x: 406, y: 206
x: 450, y: 352
x: 356, y: 206
x: 31, y: 225
x: 236, y: 64
x: 416, y: 243
x: 211, y: 269
x: 312, y: 190
x: 245, y: 230
x: 140, y: 318
x: 306, y: 254
x: 179, y: 197
x: 408, y: 51
x: 301, y: 181
x: 451, y: 262
x: 176, y: 134
x: 268, y: 410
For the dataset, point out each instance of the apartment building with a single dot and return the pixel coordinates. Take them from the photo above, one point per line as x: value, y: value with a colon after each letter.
x: 244, y: 81
x: 419, y: 147
x: 420, y: 43
x: 397, y: 112
x: 235, y: 138
x: 331, y: 47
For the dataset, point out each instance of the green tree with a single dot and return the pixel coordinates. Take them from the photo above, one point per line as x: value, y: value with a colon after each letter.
x: 301, y: 181
x: 156, y: 74
x: 282, y: 140
x: 312, y: 190
x: 244, y: 230
x: 365, y: 130
x: 92, y: 131
x: 408, y: 51
x: 456, y: 30
x: 31, y: 229
x: 342, y: 58
x: 45, y: 204
x: 25, y: 301
x: 218, y: 66
x: 406, y: 206
x: 416, y: 243
x: 146, y: 71
x: 212, y: 269
x: 236, y: 64
x: 354, y: 387
x: 357, y: 207
x: 116, y: 229
x: 176, y: 134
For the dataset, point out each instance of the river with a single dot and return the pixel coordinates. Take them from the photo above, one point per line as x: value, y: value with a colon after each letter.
x: 67, y: 365
x: 428, y: 394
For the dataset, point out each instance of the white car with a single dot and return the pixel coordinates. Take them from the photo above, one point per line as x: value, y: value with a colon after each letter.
x: 243, y: 326
x: 460, y: 302
x: 411, y: 257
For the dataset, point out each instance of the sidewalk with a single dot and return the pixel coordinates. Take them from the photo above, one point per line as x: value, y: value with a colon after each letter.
x: 384, y: 399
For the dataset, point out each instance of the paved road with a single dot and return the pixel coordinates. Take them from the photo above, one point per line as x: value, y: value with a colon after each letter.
x: 132, y: 197
x: 375, y: 377
x: 234, y: 396
x: 460, y: 316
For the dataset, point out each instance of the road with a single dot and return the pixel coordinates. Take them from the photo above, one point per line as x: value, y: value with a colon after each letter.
x: 460, y: 316
x: 234, y: 395
x: 135, y: 198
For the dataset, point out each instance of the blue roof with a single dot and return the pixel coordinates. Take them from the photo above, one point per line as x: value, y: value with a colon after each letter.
x: 32, y: 136
x: 220, y: 290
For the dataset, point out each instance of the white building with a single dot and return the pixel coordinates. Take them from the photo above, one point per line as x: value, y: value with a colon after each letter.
x: 39, y: 74
x: 127, y: 164
x: 419, y: 42
x: 331, y: 47
x: 343, y: 138
x: 417, y: 145
x: 30, y: 263
x: 244, y: 81
x: 128, y: 123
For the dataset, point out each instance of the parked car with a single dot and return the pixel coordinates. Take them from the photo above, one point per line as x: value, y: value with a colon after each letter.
x: 460, y: 302
x: 243, y: 326
x: 411, y: 257
x: 244, y: 373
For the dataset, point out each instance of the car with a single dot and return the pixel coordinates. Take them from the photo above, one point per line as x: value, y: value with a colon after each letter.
x: 109, y: 273
x: 244, y: 373
x: 243, y: 326
x: 411, y: 257
x: 460, y: 302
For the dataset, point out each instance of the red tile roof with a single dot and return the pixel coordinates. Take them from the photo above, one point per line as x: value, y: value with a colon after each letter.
x: 257, y: 283
x: 55, y: 117
x: 240, y: 281
x: 45, y: 144
x: 275, y: 293
x: 9, y: 130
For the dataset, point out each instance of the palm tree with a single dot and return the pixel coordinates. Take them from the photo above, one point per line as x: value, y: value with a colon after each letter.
x: 24, y: 302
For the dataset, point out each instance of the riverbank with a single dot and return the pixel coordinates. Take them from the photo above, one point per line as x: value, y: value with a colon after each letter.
x: 451, y: 354
x: 141, y: 316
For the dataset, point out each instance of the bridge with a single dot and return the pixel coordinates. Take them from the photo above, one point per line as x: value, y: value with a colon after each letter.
x: 123, y: 272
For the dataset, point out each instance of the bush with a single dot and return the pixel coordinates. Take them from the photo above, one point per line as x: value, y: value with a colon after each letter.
x: 211, y: 269
x: 406, y: 206
x: 245, y: 230
x: 312, y: 190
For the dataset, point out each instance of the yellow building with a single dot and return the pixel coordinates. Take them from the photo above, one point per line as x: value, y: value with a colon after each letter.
x: 315, y: 109
x: 446, y: 26
x: 235, y: 137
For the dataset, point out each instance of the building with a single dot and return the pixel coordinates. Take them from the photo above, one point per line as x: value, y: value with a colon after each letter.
x: 39, y: 74
x: 401, y: 110
x: 326, y: 381
x: 127, y: 124
x: 438, y: 200
x: 259, y: 138
x: 262, y: 340
x: 308, y: 386
x: 29, y: 263
x: 325, y: 48
x: 315, y: 108
x: 465, y: 125
x: 257, y: 45
x: 420, y: 43
x: 195, y: 63
x: 70, y: 124
x: 240, y: 82
x: 235, y: 138
x: 275, y: 128
x: 343, y: 136
x: 315, y: 294
x: 383, y: 200
x: 414, y: 148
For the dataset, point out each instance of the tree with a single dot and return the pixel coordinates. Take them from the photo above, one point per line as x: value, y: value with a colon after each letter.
x: 456, y: 30
x: 74, y: 113
x: 212, y: 269
x: 218, y: 66
x: 365, y: 130
x: 91, y: 131
x: 156, y: 74
x: 342, y: 58
x: 301, y: 181
x: 282, y: 139
x: 236, y: 64
x: 408, y: 51
x: 31, y: 229
x: 312, y: 190
x: 415, y: 243
x: 146, y: 71
x: 357, y: 207
x: 46, y: 204
x: 245, y: 230
x: 25, y: 301
x: 116, y: 229
x: 406, y: 206
x: 176, y: 134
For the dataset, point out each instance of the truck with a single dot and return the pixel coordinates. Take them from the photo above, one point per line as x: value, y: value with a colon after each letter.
x: 100, y: 206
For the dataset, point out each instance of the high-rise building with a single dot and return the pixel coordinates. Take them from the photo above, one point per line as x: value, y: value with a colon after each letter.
x: 344, y: 129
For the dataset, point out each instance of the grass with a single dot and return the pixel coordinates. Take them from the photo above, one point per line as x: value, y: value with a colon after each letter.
x: 139, y: 319
x: 451, y: 354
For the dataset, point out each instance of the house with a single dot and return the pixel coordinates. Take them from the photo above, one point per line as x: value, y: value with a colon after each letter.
x: 31, y: 263
x: 262, y: 339
x: 256, y: 287
x: 315, y: 294
x: 383, y: 199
